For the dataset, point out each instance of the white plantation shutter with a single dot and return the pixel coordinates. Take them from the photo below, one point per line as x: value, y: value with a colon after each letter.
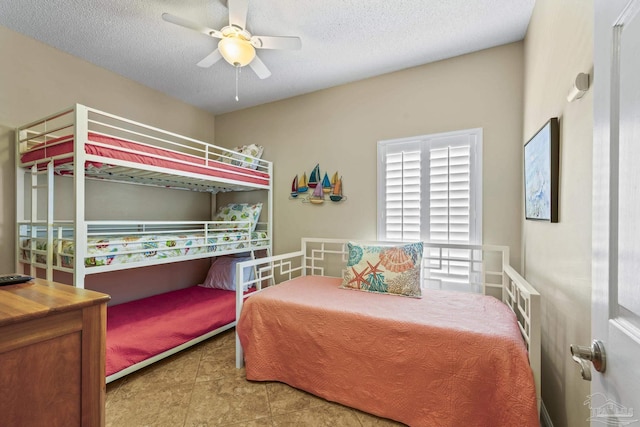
x: 430, y: 189
x: 450, y: 194
x: 402, y: 196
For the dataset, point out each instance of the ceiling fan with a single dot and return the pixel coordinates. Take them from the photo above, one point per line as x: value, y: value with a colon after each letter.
x: 237, y: 45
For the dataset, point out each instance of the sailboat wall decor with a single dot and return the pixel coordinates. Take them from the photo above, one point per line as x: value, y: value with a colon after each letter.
x: 294, y: 187
x: 302, y: 184
x: 317, y: 196
x: 336, y: 191
x: 321, y: 186
x: 334, y: 178
x: 326, y: 184
x: 314, y: 178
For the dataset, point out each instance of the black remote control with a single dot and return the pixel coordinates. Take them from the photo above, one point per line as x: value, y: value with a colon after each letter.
x: 12, y: 279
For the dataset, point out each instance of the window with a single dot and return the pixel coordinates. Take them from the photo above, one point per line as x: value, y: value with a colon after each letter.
x: 430, y: 189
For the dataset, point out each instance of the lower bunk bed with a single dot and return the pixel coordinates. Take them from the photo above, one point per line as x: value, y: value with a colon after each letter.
x: 441, y: 358
x: 144, y: 331
x: 147, y: 330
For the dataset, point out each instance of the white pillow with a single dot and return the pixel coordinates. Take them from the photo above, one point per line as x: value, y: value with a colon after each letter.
x: 222, y: 273
x: 252, y: 150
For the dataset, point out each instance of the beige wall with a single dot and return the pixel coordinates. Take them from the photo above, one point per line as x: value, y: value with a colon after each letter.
x: 36, y: 80
x: 557, y: 257
x: 339, y: 129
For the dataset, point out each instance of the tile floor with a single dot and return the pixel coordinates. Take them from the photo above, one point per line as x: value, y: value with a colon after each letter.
x: 201, y: 387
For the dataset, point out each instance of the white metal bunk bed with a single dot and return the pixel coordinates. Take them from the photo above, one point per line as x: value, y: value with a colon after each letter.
x: 40, y: 240
x: 83, y: 143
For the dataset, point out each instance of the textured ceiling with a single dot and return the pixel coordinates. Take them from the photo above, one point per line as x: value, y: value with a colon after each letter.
x: 342, y: 40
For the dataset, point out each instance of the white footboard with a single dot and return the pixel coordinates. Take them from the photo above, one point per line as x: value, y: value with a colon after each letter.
x: 524, y: 300
x: 475, y: 268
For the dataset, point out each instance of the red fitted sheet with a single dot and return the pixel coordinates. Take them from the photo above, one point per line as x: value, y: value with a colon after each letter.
x: 448, y: 359
x: 138, y: 330
x: 142, y: 154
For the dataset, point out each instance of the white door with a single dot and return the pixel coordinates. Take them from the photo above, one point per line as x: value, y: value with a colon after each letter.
x: 615, y: 398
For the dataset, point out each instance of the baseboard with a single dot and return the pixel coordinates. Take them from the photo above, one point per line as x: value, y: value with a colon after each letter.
x: 545, y: 420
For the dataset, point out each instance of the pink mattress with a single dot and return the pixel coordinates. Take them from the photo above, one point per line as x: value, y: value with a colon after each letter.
x: 140, y: 329
x: 64, y: 145
x: 448, y: 359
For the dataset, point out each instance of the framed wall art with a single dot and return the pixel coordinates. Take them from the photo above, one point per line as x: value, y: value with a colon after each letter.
x: 541, y: 172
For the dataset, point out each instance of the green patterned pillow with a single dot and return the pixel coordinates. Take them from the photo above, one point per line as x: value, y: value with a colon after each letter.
x: 240, y: 212
x: 384, y: 269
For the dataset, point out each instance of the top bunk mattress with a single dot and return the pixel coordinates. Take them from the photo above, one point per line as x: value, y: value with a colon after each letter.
x: 117, y: 154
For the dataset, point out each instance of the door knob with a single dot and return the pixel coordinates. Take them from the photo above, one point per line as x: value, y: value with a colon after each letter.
x: 594, y: 354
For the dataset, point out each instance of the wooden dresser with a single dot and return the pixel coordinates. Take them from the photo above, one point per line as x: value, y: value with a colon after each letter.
x: 52, y: 355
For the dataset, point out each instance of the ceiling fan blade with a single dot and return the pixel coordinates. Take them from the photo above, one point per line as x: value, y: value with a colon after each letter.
x: 210, y: 59
x: 238, y: 12
x: 192, y: 25
x: 276, y: 42
x: 259, y: 68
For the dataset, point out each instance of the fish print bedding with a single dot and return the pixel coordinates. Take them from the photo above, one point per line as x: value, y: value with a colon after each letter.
x: 107, y: 250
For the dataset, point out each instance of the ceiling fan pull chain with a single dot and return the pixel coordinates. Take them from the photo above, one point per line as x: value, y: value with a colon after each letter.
x: 237, y: 72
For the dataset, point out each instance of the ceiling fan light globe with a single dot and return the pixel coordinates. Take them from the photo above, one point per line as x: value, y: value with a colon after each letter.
x: 236, y: 51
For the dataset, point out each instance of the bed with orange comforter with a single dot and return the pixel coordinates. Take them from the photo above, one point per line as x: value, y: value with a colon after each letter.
x: 448, y: 359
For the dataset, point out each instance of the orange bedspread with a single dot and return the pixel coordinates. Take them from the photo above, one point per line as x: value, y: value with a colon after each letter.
x: 448, y: 359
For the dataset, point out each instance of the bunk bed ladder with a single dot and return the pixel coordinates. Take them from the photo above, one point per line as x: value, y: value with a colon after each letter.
x: 34, y: 230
